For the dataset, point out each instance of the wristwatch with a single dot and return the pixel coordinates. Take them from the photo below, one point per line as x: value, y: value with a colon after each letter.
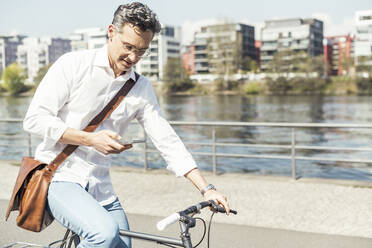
x: 206, y: 188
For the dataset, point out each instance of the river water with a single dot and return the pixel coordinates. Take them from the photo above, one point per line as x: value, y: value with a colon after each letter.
x: 307, y: 109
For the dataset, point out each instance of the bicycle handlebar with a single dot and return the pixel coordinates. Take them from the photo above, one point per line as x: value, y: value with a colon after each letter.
x: 161, y: 225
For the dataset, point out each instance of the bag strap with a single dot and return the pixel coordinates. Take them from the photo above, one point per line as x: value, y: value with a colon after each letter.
x: 110, y: 107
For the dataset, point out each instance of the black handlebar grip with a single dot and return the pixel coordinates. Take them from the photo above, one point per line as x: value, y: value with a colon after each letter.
x: 233, y: 211
x: 221, y: 209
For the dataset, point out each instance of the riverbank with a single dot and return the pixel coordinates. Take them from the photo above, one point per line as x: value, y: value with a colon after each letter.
x: 336, y: 207
x: 295, y: 86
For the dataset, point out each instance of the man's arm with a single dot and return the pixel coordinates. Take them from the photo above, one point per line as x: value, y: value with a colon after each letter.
x: 52, y: 93
x: 172, y: 149
x: 103, y: 141
x: 199, y: 181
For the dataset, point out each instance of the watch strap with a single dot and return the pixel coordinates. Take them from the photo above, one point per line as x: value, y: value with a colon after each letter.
x: 206, y: 188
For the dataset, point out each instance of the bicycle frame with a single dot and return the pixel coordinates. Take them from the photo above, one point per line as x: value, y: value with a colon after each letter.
x: 184, y: 241
x: 150, y: 237
x: 185, y: 220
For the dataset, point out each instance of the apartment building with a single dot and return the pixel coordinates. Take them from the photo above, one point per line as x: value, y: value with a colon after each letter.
x: 339, y: 54
x: 297, y: 35
x: 89, y: 38
x: 363, y: 37
x: 164, y: 45
x: 35, y: 53
x: 8, y: 50
x: 223, y: 48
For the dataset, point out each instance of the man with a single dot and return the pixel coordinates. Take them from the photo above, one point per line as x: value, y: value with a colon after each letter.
x: 74, y: 90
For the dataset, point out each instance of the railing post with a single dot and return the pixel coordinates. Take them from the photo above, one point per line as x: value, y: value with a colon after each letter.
x: 293, y: 154
x: 214, y: 150
x: 29, y: 145
x: 145, y: 153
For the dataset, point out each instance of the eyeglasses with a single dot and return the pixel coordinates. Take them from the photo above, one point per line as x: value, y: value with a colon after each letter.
x: 128, y: 48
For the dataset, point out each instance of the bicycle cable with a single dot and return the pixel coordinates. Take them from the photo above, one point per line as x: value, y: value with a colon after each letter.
x: 201, y: 240
x: 209, y: 228
x: 160, y: 243
x: 205, y: 229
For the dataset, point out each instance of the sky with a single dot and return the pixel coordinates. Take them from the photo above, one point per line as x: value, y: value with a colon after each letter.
x: 59, y: 18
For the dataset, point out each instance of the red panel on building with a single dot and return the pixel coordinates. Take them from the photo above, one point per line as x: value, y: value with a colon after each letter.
x: 188, y: 58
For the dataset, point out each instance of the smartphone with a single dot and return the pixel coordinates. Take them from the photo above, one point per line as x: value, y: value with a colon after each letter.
x: 131, y: 142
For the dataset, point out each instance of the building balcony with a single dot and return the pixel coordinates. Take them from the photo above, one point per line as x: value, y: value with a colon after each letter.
x: 267, y: 57
x: 299, y: 47
x: 200, y: 52
x: 201, y: 68
x: 200, y: 60
x: 149, y: 70
x: 263, y: 66
x: 269, y: 46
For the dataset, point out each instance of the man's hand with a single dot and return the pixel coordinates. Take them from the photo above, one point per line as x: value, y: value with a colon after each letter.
x: 199, y: 181
x: 218, y: 198
x: 106, y: 141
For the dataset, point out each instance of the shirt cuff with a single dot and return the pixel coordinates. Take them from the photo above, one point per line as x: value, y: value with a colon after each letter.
x: 54, y: 133
x: 182, y: 168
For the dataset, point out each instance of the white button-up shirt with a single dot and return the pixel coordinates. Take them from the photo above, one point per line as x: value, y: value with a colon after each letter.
x: 75, y: 89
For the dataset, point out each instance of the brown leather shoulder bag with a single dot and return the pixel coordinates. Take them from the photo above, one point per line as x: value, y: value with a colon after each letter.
x: 31, y: 188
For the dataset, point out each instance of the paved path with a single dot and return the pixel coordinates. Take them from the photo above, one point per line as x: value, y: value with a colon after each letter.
x: 223, y: 235
x: 273, y: 211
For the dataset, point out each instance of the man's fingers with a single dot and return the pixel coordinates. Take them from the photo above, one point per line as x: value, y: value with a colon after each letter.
x: 116, y: 146
x: 223, y: 201
x: 218, y: 199
x: 126, y: 147
x: 113, y: 135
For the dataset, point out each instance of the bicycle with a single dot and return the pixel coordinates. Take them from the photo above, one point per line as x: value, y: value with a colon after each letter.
x: 185, y: 218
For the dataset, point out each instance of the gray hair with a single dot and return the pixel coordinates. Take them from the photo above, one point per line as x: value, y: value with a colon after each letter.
x: 137, y: 14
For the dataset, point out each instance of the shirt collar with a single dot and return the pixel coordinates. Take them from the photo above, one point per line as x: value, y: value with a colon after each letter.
x: 101, y: 60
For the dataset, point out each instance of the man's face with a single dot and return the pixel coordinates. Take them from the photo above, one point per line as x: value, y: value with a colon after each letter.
x: 125, y: 48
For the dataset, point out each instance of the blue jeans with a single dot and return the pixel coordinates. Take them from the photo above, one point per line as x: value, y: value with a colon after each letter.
x: 76, y: 209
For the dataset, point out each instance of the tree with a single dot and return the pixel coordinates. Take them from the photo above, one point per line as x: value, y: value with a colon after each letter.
x: 221, y: 50
x: 347, y: 64
x: 224, y: 54
x: 283, y: 62
x: 175, y: 77
x: 253, y: 66
x: 249, y: 64
x: 364, y: 64
x: 14, y: 79
x: 312, y: 64
x: 40, y: 74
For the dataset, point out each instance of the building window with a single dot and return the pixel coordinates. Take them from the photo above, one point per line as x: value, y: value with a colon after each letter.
x: 173, y: 51
x: 172, y: 43
x: 168, y: 31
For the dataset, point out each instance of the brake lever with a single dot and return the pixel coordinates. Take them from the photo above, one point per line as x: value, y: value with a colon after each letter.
x: 189, y: 221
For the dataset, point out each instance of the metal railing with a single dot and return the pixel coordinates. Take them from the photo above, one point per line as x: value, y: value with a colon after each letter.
x: 293, y: 147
